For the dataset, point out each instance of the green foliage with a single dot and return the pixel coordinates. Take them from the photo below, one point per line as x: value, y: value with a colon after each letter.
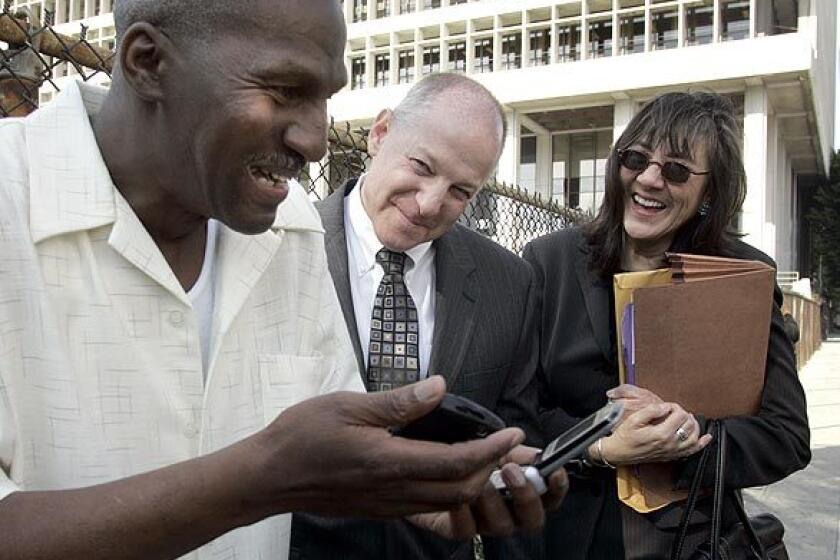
x: 825, y: 219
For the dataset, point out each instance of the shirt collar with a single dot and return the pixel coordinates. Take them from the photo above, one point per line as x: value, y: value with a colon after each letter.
x: 70, y: 185
x: 369, y: 244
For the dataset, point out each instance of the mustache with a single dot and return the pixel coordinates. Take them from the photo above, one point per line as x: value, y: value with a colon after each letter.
x: 286, y: 164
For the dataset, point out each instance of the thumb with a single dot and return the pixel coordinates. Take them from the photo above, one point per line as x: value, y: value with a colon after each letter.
x: 624, y: 391
x: 649, y: 414
x: 400, y: 406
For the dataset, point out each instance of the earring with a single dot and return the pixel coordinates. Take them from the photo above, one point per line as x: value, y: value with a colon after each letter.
x: 705, y: 207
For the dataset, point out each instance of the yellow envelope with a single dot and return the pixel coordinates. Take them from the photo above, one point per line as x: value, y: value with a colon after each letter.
x: 637, y: 484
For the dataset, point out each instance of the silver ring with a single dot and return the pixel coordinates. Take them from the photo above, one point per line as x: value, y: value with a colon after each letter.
x: 681, y: 434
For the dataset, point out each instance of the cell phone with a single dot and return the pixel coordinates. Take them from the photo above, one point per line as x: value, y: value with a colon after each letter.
x: 570, y: 445
x: 455, y: 419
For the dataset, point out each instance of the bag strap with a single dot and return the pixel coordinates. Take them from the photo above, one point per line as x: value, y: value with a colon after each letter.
x: 718, y: 431
x: 757, y: 548
x: 755, y: 543
x: 691, y: 501
x: 720, y: 477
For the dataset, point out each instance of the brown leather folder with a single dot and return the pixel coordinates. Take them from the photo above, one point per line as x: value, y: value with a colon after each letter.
x: 702, y: 340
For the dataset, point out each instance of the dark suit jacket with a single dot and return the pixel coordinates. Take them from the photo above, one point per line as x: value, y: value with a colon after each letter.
x: 484, y: 344
x: 578, y: 364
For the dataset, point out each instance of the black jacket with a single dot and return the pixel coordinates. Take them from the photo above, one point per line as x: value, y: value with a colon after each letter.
x: 578, y: 363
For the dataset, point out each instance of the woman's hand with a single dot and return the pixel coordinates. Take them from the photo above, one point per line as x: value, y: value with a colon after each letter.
x: 633, y: 398
x: 658, y: 432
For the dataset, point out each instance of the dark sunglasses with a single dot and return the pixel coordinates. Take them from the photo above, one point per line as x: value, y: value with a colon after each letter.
x: 673, y: 172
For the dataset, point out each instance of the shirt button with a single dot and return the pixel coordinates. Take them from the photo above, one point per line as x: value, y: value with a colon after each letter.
x: 176, y: 318
x: 190, y: 430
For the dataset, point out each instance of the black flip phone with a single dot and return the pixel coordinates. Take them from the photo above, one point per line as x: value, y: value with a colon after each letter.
x: 569, y: 445
x: 572, y: 443
x: 455, y: 419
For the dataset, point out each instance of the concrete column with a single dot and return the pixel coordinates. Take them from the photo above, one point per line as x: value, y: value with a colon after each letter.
x: 622, y: 114
x: 681, y: 25
x: 508, y: 168
x: 755, y: 219
x: 544, y: 157
x: 584, y: 31
x: 716, y: 22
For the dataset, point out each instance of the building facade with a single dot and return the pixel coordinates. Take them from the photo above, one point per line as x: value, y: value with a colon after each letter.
x: 572, y: 73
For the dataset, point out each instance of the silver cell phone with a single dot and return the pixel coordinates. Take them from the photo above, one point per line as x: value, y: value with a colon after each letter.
x: 570, y: 445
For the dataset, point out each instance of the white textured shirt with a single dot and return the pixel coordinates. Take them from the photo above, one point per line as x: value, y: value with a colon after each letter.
x: 366, y: 274
x: 100, y: 360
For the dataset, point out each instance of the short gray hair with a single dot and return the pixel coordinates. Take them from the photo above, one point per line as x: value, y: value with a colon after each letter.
x: 425, y: 93
x: 179, y: 18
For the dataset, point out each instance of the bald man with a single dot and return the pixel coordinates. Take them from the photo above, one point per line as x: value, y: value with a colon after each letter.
x: 463, y: 305
x: 165, y: 321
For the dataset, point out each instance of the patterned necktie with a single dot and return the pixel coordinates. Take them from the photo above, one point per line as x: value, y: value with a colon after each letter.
x: 393, y: 359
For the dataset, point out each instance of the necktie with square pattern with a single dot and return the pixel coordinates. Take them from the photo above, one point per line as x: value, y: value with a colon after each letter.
x: 393, y: 358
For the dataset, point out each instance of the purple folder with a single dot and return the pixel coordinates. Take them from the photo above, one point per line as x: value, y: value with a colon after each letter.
x: 628, y: 343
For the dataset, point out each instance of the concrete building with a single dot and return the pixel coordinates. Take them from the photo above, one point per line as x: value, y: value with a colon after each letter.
x: 571, y: 73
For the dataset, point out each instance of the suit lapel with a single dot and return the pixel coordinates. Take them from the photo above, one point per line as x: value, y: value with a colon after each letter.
x: 332, y: 216
x: 455, y: 301
x: 596, y: 298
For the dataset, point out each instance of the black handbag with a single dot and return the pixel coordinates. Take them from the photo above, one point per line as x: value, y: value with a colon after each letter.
x: 751, y: 538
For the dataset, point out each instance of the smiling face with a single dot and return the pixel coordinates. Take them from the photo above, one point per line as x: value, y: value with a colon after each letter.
x: 424, y: 173
x: 248, y: 110
x: 655, y: 210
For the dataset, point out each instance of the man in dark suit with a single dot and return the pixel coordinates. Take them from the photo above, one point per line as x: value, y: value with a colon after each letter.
x: 463, y: 305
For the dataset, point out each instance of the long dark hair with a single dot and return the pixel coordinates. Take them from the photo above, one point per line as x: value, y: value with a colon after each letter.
x: 679, y: 122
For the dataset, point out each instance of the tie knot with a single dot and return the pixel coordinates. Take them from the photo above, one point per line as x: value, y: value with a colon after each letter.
x: 391, y: 261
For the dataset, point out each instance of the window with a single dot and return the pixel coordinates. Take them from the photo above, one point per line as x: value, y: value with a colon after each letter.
x: 568, y: 38
x: 431, y: 60
x: 483, y: 50
x: 699, y: 24
x: 430, y: 4
x: 458, y: 57
x: 539, y: 48
x: 383, y: 8
x: 734, y: 20
x: 579, y: 168
x: 381, y: 70
x: 663, y: 30
x: 407, y: 6
x: 632, y: 28
x: 405, y: 69
x: 600, y: 38
x: 359, y: 10
x: 357, y: 72
x: 512, y: 51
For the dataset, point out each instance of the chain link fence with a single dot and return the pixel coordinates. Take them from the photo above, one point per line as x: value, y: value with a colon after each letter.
x: 35, y: 59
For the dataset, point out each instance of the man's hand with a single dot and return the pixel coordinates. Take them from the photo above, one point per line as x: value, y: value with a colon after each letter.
x: 492, y: 515
x: 333, y: 455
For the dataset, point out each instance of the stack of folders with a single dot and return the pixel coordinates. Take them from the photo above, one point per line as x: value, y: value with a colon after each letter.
x: 695, y: 334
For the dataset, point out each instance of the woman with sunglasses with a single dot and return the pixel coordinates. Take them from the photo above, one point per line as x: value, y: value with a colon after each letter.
x: 674, y: 182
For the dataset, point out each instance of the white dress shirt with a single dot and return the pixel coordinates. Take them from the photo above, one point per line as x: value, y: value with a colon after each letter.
x: 366, y: 274
x: 100, y: 360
